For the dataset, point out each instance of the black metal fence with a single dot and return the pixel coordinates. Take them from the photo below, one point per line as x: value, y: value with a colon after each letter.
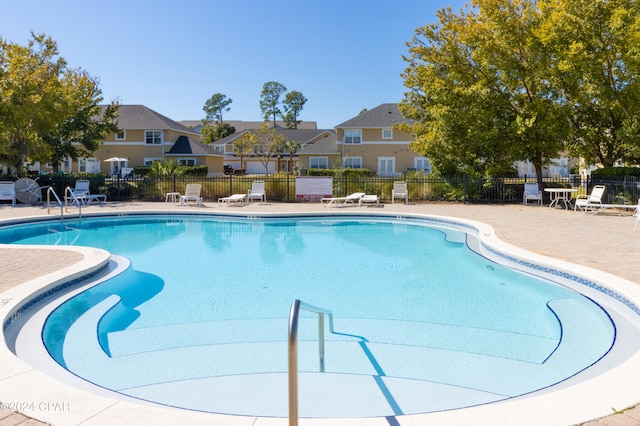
x: 282, y: 187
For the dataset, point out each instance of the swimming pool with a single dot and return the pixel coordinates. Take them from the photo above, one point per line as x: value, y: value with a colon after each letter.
x: 383, y: 345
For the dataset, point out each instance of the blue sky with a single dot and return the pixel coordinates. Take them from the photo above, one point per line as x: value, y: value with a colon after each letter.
x: 343, y: 55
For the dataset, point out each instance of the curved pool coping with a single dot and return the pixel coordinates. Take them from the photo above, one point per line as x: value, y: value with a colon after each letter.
x: 51, y: 400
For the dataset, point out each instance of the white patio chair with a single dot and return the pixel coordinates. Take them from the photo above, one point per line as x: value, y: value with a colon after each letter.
x: 257, y: 191
x: 531, y: 192
x: 8, y: 192
x: 400, y: 191
x: 81, y: 194
x: 584, y: 202
x: 191, y: 193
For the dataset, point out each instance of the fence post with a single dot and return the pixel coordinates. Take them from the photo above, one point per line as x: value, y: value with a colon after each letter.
x: 230, y: 184
x: 464, y: 185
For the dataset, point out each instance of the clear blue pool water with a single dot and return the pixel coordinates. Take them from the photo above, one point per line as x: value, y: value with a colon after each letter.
x: 199, y: 320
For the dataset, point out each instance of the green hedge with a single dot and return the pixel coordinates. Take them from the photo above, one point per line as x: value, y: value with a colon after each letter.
x: 615, y: 172
x: 339, y: 172
x: 144, y: 171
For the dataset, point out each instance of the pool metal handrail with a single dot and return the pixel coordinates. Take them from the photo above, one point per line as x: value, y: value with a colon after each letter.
x: 294, y: 314
x: 69, y: 195
x: 50, y: 191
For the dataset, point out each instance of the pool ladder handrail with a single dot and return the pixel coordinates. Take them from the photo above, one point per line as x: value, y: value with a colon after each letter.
x: 67, y: 195
x: 50, y: 191
x: 294, y: 314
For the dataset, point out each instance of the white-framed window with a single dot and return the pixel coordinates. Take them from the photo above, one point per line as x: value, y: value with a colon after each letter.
x: 65, y: 165
x: 387, y: 133
x: 352, y: 163
x: 88, y: 165
x: 352, y: 136
x: 149, y: 161
x: 153, y: 137
x: 422, y: 164
x: 318, y: 162
x: 121, y: 135
x: 187, y: 161
x: 386, y: 166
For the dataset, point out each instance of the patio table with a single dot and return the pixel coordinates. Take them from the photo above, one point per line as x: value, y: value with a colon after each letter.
x: 560, y: 195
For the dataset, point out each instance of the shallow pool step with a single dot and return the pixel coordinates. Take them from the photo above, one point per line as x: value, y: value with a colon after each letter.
x: 347, y: 355
x: 496, y: 343
x: 413, y: 374
x: 320, y: 395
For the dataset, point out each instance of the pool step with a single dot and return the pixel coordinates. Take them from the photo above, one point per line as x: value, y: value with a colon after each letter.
x: 496, y: 343
x: 414, y: 374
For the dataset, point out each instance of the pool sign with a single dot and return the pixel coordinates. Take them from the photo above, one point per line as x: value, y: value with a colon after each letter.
x: 314, y: 188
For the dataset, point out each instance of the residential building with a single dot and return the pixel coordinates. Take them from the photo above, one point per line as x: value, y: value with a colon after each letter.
x: 145, y: 136
x: 240, y: 125
x: 370, y: 140
x: 283, y: 162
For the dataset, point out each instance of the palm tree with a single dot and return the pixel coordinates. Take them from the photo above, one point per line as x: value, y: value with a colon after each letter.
x: 291, y: 147
x: 165, y: 168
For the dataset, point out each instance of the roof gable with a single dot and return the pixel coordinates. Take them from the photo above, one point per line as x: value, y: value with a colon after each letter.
x: 187, y: 146
x: 301, y: 136
x: 384, y: 115
x: 139, y: 117
x: 325, y: 146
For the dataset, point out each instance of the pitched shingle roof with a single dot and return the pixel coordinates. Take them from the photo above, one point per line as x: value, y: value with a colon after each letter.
x: 325, y: 146
x: 187, y: 146
x: 385, y: 115
x: 139, y: 117
x: 301, y: 136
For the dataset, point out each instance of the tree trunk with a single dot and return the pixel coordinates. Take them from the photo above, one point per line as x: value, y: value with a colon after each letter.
x: 538, y: 166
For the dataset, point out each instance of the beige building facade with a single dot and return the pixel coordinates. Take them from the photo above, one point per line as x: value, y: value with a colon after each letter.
x: 144, y: 137
x: 371, y: 141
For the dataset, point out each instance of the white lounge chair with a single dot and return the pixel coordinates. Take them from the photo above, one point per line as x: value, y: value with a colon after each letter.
x: 531, y: 192
x: 257, y: 191
x: 400, y: 191
x: 369, y: 199
x: 8, y: 192
x: 594, y: 200
x: 191, y: 193
x: 82, y: 194
x: 341, y: 201
x: 233, y: 199
x: 637, y: 215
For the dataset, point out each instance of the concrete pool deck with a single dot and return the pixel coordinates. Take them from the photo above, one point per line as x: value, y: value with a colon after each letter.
x: 606, y: 243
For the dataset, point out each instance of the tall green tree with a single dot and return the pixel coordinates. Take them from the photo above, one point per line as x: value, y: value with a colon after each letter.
x: 479, y: 90
x: 243, y: 145
x: 211, y: 134
x: 596, y: 45
x: 47, y: 111
x: 270, y: 100
x: 214, y: 107
x: 267, y: 145
x: 293, y: 104
x: 29, y: 91
x: 86, y: 123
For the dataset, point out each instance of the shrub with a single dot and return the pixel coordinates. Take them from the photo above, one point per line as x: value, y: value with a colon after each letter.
x: 615, y: 172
